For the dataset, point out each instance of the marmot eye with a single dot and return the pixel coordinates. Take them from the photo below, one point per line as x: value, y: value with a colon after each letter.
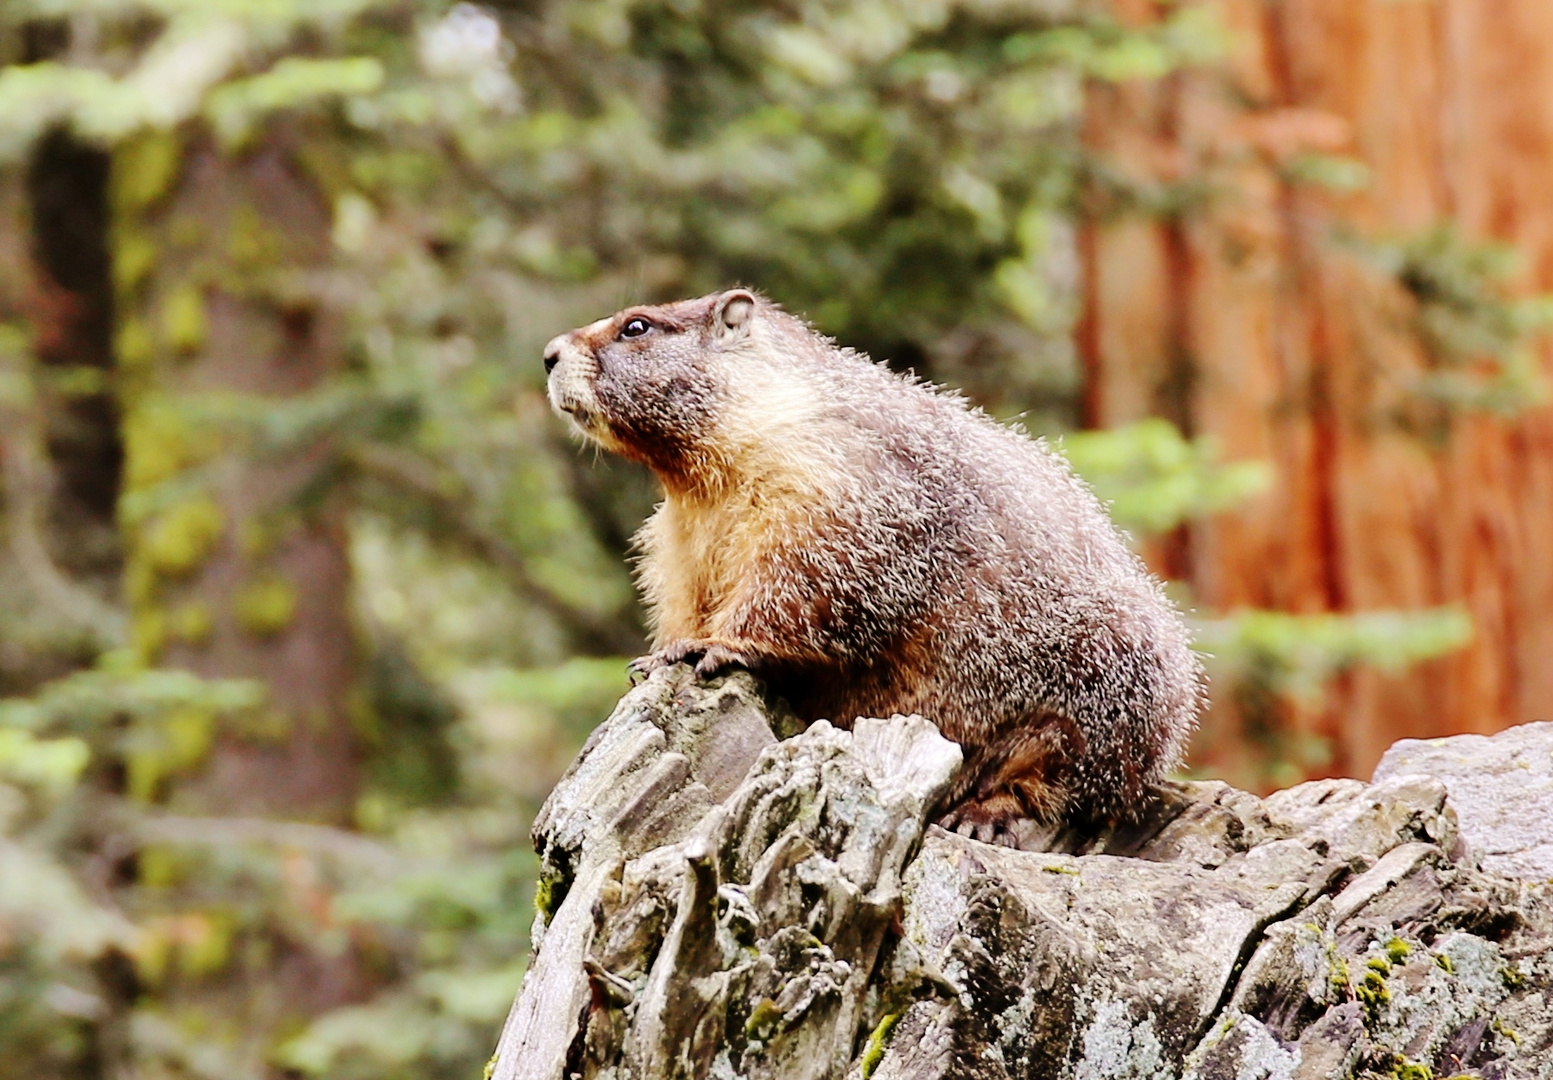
x: 635, y: 327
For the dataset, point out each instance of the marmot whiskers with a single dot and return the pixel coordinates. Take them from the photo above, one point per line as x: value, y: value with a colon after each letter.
x: 868, y: 544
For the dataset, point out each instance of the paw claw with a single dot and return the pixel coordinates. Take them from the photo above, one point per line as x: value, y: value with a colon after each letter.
x: 711, y: 658
x: 638, y: 670
x: 674, y: 653
x: 996, y: 819
x: 716, y: 658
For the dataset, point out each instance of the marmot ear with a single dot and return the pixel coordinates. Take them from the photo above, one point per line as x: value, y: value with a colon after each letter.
x: 732, y: 315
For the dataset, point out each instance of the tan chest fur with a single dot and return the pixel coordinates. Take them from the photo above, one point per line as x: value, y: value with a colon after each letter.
x: 701, y: 548
x: 695, y: 556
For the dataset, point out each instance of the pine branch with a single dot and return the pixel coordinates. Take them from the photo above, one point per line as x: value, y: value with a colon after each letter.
x: 451, y: 503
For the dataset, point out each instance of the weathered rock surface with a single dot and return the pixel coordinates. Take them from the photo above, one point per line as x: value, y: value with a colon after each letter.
x: 718, y: 904
x: 1501, y: 789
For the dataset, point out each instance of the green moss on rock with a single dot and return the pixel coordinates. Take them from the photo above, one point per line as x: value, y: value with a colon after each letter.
x: 1404, y: 1069
x: 763, y: 1020
x: 1374, y: 994
x: 873, y: 1053
x: 549, y: 892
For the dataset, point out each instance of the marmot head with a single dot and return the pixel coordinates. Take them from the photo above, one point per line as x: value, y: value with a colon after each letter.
x: 645, y: 382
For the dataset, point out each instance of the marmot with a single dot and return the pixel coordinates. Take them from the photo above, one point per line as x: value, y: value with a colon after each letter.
x: 868, y: 544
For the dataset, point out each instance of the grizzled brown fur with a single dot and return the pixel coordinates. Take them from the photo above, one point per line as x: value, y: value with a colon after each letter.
x: 869, y: 545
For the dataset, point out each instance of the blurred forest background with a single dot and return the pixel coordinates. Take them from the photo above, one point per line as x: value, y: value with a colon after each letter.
x: 308, y: 598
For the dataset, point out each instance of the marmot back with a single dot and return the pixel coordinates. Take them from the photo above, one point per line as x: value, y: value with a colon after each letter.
x: 868, y: 545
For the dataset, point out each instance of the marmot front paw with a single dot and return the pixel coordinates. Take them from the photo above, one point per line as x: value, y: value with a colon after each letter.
x: 711, y: 656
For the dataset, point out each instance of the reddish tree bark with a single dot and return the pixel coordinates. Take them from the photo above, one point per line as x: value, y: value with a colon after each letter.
x: 1299, y: 349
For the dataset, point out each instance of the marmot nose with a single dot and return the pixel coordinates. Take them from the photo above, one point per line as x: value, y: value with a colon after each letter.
x: 553, y: 349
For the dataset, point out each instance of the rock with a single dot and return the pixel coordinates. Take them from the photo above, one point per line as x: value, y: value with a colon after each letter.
x: 1501, y: 787
x: 720, y: 905
x: 643, y: 781
x: 724, y: 898
x: 1240, y: 1048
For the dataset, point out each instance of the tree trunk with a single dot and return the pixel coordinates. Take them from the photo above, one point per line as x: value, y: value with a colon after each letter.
x: 238, y: 561
x: 1300, y: 352
x: 59, y: 437
x: 237, y: 558
x: 72, y: 301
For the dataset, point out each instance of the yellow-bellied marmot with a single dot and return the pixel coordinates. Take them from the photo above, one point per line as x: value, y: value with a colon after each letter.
x: 868, y: 544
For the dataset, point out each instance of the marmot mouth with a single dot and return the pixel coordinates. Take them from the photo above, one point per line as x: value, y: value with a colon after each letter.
x: 580, y: 416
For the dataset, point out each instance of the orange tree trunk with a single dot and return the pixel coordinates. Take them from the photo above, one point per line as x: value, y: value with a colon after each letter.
x: 1246, y: 318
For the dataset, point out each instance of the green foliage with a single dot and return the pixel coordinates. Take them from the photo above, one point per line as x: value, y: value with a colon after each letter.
x: 51, y: 764
x: 1339, y: 174
x: 1298, y: 654
x: 1154, y: 478
x: 1189, y: 35
x: 410, y: 723
x: 90, y: 703
x: 57, y: 930
x: 440, y: 892
x: 235, y: 108
x: 1477, y: 337
x: 36, y: 96
x: 265, y: 605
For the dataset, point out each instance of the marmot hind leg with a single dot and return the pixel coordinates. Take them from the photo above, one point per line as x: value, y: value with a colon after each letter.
x: 1012, y: 784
